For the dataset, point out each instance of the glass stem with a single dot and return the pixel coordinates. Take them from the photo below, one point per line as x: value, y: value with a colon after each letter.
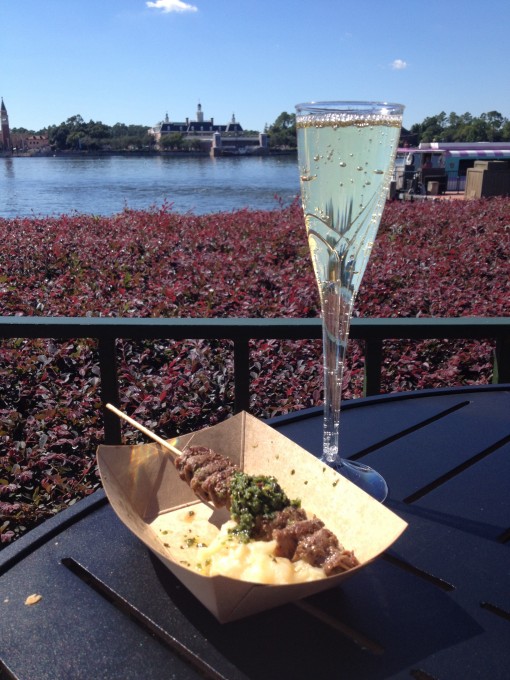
x: 336, y: 303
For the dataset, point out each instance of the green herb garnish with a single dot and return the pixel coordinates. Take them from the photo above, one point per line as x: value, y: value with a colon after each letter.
x: 254, y: 496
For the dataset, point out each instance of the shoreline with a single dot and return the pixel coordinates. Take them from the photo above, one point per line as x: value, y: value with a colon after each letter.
x: 147, y: 153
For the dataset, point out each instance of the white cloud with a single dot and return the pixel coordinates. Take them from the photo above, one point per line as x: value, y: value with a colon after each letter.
x: 398, y: 65
x: 172, y: 6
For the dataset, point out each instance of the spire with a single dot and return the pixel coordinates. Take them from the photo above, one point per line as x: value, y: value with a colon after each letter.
x: 5, y: 133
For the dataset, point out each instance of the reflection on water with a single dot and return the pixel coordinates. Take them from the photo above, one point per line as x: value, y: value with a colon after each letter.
x: 9, y: 168
x: 107, y: 185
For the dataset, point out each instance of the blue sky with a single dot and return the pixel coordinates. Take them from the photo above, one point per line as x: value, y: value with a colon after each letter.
x: 132, y: 61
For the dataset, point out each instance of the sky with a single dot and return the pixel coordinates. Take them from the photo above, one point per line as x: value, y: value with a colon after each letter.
x: 134, y: 61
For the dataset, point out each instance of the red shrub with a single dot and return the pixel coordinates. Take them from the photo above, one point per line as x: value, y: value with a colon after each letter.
x: 441, y: 258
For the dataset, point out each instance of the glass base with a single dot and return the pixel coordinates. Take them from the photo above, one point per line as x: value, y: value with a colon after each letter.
x: 363, y: 476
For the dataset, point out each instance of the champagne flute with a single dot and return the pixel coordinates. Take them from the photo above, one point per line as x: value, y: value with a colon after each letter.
x: 346, y: 152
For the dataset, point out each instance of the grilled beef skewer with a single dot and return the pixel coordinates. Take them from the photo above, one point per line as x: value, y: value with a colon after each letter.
x: 211, y: 475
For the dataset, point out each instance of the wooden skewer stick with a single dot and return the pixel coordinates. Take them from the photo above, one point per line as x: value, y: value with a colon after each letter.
x: 167, y: 445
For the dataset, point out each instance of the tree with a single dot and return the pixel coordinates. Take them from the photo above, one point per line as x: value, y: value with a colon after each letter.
x: 432, y: 128
x: 120, y: 130
x: 494, y: 121
x: 99, y: 130
x: 76, y: 134
x: 173, y: 140
x: 22, y: 131
x: 57, y: 136
x: 285, y: 121
x: 191, y: 143
x: 488, y: 127
x: 282, y: 133
x: 67, y: 135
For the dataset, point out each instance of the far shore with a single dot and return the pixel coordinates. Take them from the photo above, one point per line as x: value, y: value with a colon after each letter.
x: 148, y: 152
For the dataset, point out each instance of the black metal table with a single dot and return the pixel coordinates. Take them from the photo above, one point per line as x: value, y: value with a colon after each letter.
x: 434, y: 606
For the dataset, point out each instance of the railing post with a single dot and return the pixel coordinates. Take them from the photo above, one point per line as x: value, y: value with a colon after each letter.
x: 241, y: 375
x: 109, y: 389
x: 501, y: 372
x: 373, y: 365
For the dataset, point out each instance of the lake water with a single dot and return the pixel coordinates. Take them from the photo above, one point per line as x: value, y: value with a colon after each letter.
x: 107, y: 185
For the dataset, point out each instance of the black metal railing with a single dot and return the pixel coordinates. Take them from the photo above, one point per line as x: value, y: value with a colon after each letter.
x: 241, y: 330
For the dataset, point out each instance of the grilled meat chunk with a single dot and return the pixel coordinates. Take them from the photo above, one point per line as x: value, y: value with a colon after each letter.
x: 289, y: 537
x: 339, y: 560
x: 266, y: 526
x: 208, y: 474
x: 311, y: 542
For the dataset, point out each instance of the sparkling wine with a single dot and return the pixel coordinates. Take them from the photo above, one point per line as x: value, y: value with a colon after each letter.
x: 345, y: 168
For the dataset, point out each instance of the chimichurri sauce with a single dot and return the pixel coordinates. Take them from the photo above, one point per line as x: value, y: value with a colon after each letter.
x: 252, y: 496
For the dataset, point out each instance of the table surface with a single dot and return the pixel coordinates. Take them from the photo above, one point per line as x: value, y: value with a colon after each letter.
x: 435, y: 606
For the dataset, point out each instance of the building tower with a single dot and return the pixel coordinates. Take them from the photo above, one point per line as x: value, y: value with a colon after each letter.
x: 6, y: 133
x: 200, y: 115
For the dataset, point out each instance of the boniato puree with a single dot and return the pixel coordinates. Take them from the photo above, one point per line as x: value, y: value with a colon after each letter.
x: 195, y: 542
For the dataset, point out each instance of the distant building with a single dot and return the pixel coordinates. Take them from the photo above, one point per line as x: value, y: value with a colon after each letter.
x: 213, y: 138
x: 24, y: 142
x: 6, y: 132
x: 194, y: 127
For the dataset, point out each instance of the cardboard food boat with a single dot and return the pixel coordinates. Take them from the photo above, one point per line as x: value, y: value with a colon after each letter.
x: 141, y: 483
